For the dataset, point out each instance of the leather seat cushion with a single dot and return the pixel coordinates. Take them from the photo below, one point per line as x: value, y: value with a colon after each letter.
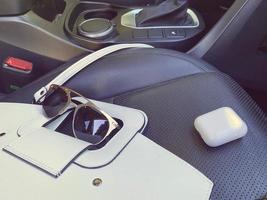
x: 121, y: 72
x: 237, y: 169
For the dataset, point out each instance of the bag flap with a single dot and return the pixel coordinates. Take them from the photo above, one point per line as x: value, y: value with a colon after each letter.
x: 46, y: 149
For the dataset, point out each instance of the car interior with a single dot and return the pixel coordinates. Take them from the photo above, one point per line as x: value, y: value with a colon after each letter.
x: 206, y: 55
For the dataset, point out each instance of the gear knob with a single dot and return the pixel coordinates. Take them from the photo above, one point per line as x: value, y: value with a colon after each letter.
x: 166, y: 13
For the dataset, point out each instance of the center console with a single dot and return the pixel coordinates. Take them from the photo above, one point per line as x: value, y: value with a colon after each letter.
x: 46, y: 33
x: 170, y: 24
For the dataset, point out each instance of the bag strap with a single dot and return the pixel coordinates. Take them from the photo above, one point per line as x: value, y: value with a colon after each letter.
x: 81, y: 64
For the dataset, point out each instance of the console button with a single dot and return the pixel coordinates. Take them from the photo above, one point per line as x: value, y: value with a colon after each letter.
x: 174, y: 33
x: 140, y: 34
x: 155, y: 33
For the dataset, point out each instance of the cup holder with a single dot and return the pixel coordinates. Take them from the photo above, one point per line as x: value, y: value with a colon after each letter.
x: 96, y: 28
x: 96, y: 24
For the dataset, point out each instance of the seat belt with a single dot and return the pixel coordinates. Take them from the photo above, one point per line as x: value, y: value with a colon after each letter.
x: 83, y: 63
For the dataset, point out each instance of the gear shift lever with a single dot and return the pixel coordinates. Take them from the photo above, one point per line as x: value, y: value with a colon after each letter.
x: 167, y: 13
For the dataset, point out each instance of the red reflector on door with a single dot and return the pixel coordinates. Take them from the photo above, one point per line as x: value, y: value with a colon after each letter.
x: 19, y: 64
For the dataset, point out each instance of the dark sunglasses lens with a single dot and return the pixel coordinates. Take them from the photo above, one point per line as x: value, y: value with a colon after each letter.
x: 90, y: 125
x: 55, y: 101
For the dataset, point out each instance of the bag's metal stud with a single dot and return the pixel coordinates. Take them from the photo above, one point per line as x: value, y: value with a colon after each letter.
x: 97, y: 182
x: 2, y: 134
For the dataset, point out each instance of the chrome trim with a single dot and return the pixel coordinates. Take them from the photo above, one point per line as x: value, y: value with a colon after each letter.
x: 128, y: 20
x: 96, y: 34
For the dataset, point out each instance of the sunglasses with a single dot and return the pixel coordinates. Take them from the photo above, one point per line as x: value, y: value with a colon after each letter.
x: 89, y: 123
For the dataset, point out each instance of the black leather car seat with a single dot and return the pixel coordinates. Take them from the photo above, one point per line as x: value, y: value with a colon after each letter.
x: 2, y: 95
x: 121, y: 72
x: 173, y: 89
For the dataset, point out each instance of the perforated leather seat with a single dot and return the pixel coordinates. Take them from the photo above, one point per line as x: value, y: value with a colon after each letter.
x: 173, y: 89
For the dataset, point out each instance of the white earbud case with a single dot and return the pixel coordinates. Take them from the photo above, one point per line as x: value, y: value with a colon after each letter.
x: 220, y: 126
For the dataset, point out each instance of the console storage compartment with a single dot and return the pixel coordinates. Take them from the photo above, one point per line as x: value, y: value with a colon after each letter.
x: 96, y: 25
